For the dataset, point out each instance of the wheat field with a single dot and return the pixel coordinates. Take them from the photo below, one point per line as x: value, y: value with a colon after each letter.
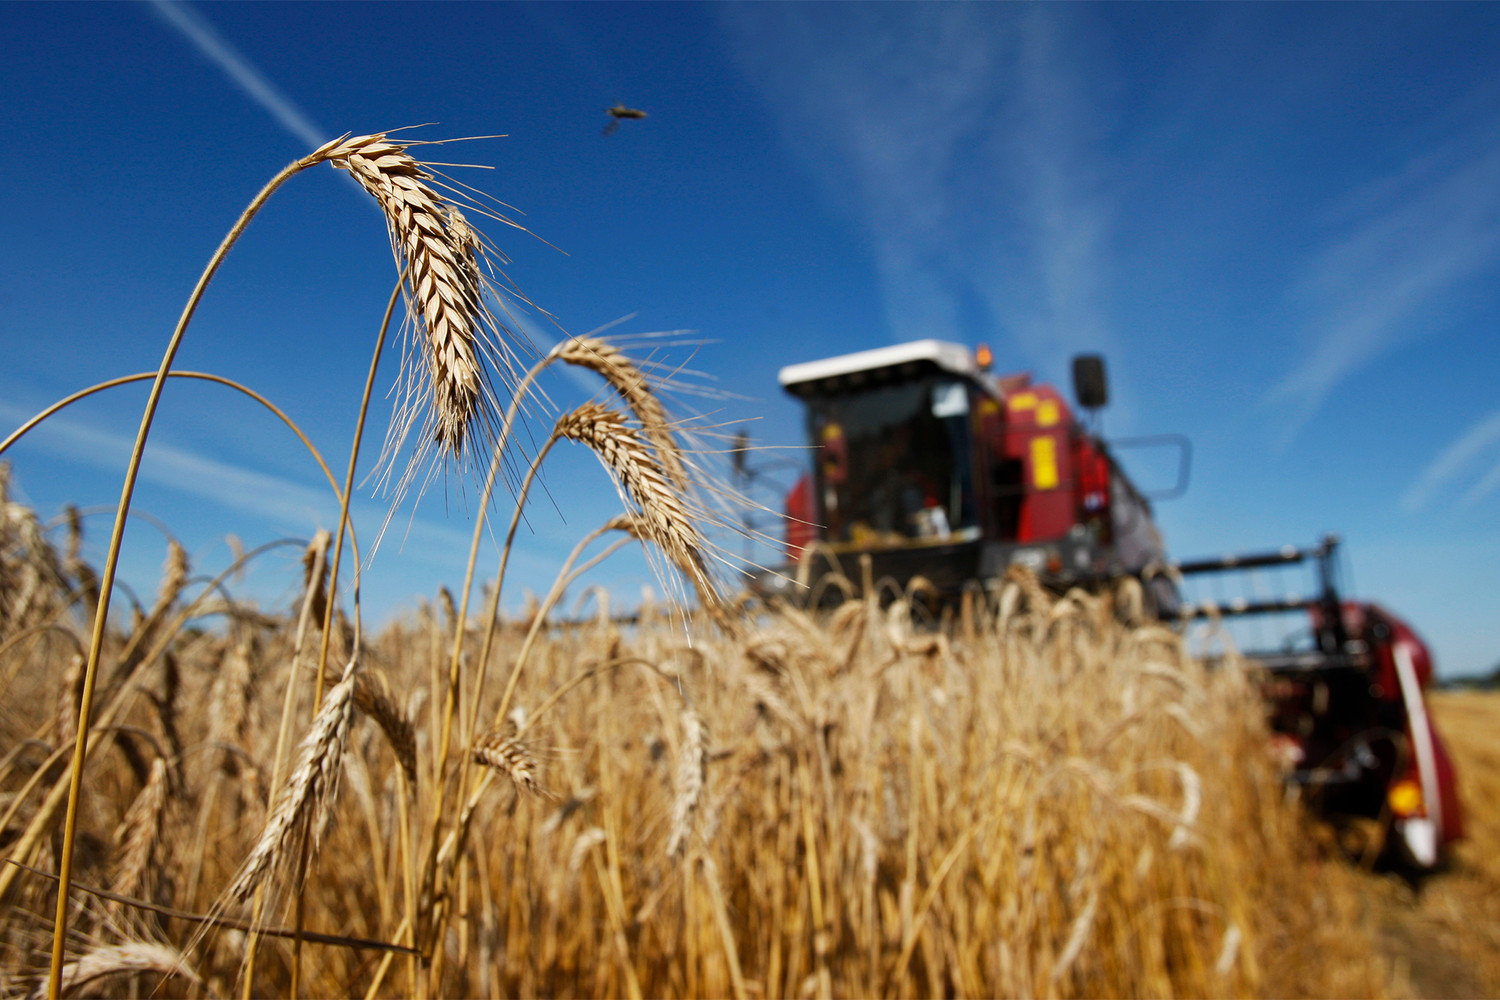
x: 1032, y: 795
x: 1033, y: 798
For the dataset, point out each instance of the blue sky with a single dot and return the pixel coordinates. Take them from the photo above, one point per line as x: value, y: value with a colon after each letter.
x: 1280, y: 223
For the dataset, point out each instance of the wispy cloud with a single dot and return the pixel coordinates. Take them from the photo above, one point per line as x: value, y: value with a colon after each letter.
x: 1487, y: 485
x: 278, y: 503
x: 1450, y: 466
x: 272, y: 498
x: 1410, y: 240
x: 212, y: 46
x: 965, y: 140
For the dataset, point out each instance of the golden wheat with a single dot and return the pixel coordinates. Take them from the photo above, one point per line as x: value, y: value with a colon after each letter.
x: 1047, y: 797
x: 882, y: 810
x: 510, y: 757
x: 371, y: 698
x: 128, y: 958
x: 667, y: 519
x: 445, y: 266
x: 139, y: 833
x: 638, y: 392
x: 307, y: 800
x: 691, y: 765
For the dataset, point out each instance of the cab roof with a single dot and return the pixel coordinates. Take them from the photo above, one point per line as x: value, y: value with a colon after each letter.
x: 955, y: 358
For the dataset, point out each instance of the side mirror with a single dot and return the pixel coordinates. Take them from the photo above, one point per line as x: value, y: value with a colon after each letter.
x: 1090, y: 385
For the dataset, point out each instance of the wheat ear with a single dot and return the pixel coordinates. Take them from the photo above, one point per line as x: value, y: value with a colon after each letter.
x: 307, y: 800
x: 119, y: 959
x: 585, y: 842
x: 692, y: 762
x: 314, y: 560
x: 638, y: 392
x: 371, y: 698
x: 445, y: 263
x: 65, y: 714
x: 229, y: 705
x: 665, y: 517
x: 139, y: 832
x: 509, y: 756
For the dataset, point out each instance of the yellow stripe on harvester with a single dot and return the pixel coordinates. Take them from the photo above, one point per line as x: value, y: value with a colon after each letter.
x: 1044, y: 463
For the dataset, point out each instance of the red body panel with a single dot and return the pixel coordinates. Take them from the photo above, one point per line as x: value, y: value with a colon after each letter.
x: 1037, y: 428
x: 800, y: 512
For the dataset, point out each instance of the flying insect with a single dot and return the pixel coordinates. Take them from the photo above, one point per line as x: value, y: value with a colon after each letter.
x: 619, y: 113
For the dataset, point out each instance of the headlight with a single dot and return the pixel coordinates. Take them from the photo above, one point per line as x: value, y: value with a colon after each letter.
x: 1405, y: 798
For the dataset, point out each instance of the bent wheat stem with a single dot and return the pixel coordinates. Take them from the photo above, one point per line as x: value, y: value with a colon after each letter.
x: 67, y: 401
x: 111, y: 564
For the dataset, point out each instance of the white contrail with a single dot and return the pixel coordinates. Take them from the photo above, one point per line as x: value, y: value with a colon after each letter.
x: 1489, y: 484
x: 235, y: 66
x: 1415, y: 238
x: 1481, y: 437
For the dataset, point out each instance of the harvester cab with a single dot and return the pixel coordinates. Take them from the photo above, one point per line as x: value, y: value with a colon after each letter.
x: 936, y: 470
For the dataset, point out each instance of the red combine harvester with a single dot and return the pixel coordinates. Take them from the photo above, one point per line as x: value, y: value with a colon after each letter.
x: 932, y: 468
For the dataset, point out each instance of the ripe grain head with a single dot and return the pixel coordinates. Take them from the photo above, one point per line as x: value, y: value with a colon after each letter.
x: 371, y: 698
x: 510, y: 757
x: 449, y: 280
x: 668, y: 518
x: 306, y: 802
x: 692, y: 762
x: 126, y: 958
x: 637, y: 390
x: 139, y: 832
